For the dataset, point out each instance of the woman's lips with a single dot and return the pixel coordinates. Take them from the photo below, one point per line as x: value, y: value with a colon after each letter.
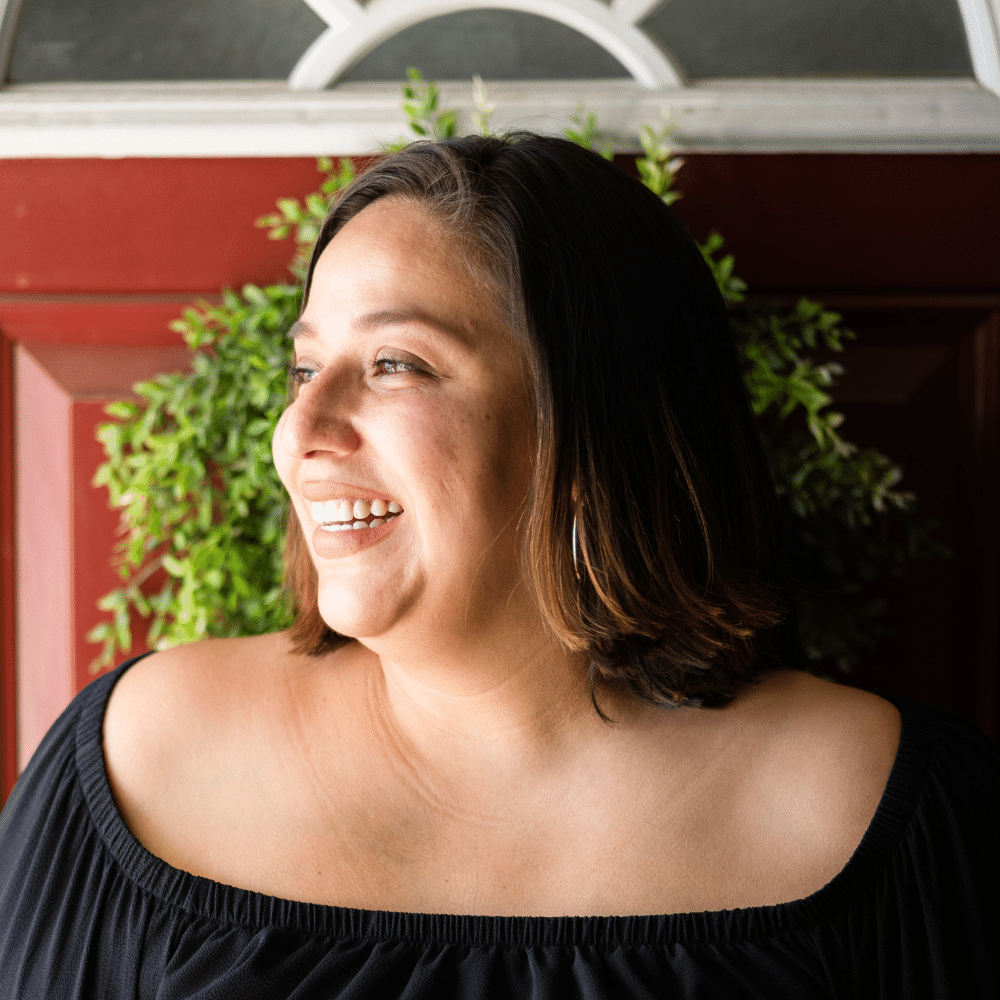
x: 334, y: 544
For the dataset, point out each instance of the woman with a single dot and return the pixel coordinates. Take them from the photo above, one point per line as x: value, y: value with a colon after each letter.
x: 534, y: 731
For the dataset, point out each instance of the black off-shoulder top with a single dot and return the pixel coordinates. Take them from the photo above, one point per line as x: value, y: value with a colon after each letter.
x: 87, y: 912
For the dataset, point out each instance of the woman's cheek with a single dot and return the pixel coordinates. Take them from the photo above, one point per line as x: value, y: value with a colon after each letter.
x: 278, y: 454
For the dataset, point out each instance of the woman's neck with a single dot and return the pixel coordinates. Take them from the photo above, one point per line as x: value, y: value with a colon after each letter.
x: 476, y: 720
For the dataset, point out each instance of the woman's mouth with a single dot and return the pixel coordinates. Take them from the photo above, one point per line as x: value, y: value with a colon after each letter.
x: 350, y: 514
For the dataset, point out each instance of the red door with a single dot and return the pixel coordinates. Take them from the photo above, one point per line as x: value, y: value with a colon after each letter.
x: 97, y: 256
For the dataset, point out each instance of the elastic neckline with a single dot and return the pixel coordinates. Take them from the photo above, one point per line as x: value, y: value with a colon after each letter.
x: 214, y: 901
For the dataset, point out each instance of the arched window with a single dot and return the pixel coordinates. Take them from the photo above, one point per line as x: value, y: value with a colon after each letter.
x: 320, y: 75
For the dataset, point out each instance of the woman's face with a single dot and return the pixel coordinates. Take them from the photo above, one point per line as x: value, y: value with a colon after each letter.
x: 410, y: 392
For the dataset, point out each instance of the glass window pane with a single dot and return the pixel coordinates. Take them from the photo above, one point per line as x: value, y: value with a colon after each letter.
x: 89, y: 40
x: 760, y: 38
x: 496, y: 44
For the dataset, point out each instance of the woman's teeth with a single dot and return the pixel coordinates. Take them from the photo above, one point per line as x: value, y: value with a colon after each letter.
x: 346, y: 515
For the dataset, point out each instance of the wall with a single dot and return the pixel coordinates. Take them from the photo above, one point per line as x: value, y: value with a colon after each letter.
x: 100, y: 254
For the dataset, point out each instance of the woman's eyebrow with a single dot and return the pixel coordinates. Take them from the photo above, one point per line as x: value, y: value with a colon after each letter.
x: 300, y: 329
x: 390, y: 317
x: 384, y: 317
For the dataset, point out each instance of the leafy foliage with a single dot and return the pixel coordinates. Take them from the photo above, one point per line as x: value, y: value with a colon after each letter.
x: 420, y: 105
x: 304, y: 219
x: 658, y: 166
x: 850, y: 523
x: 586, y: 132
x: 191, y: 471
x: 484, y: 107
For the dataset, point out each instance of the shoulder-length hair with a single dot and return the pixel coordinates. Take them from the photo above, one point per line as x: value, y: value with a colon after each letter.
x: 652, y: 537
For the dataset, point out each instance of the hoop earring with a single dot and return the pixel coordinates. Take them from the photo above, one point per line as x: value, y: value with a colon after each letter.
x: 576, y: 568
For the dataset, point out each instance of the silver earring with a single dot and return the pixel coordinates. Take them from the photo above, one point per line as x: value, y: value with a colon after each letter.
x: 576, y: 568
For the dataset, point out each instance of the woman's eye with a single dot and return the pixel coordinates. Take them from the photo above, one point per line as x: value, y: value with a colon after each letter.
x: 300, y: 374
x: 393, y: 366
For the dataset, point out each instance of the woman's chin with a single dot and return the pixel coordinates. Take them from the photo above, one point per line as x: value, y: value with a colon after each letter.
x: 357, y: 621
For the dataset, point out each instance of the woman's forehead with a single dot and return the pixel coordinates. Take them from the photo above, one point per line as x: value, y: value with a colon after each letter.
x: 394, y: 260
x: 392, y: 223
x: 392, y: 242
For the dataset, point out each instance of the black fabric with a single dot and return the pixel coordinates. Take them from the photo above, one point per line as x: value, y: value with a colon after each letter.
x: 86, y: 911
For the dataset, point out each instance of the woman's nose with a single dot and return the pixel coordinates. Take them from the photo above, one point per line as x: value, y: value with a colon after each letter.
x: 317, y: 420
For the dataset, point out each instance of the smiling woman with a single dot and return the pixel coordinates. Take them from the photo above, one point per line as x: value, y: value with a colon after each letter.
x: 396, y: 350
x: 637, y: 426
x: 535, y: 730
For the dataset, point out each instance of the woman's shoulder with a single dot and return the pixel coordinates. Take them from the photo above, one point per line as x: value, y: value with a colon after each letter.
x: 204, y: 732
x: 795, y: 770
x: 803, y: 717
x: 51, y: 843
x: 834, y: 732
x: 834, y: 747
x: 198, y: 668
x: 168, y: 711
x: 920, y: 789
x: 50, y: 776
x: 192, y: 686
x: 50, y: 781
x: 795, y: 710
x: 841, y: 760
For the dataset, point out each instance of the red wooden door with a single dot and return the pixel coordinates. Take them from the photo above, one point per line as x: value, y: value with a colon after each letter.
x: 97, y: 256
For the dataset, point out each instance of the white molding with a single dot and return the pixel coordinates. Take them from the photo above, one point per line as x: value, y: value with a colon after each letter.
x: 4, y: 4
x: 267, y: 119
x: 982, y: 30
x: 338, y: 14
x: 9, y: 12
x: 354, y: 31
x: 632, y: 11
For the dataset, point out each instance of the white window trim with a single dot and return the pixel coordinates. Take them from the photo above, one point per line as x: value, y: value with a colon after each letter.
x: 353, y: 31
x: 982, y: 31
x: 267, y: 119
x: 274, y: 118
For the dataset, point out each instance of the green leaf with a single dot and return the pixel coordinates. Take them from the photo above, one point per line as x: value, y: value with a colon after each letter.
x: 99, y: 632
x: 121, y: 410
x: 290, y: 209
x: 174, y: 566
x: 123, y: 631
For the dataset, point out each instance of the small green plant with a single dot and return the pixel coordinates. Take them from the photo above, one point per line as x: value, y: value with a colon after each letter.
x: 586, y: 133
x: 191, y: 472
x: 850, y: 523
x: 303, y: 220
x: 420, y: 105
x: 658, y: 166
x: 484, y: 107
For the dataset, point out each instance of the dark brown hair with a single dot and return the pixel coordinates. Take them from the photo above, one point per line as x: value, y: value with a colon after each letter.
x: 644, y: 433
